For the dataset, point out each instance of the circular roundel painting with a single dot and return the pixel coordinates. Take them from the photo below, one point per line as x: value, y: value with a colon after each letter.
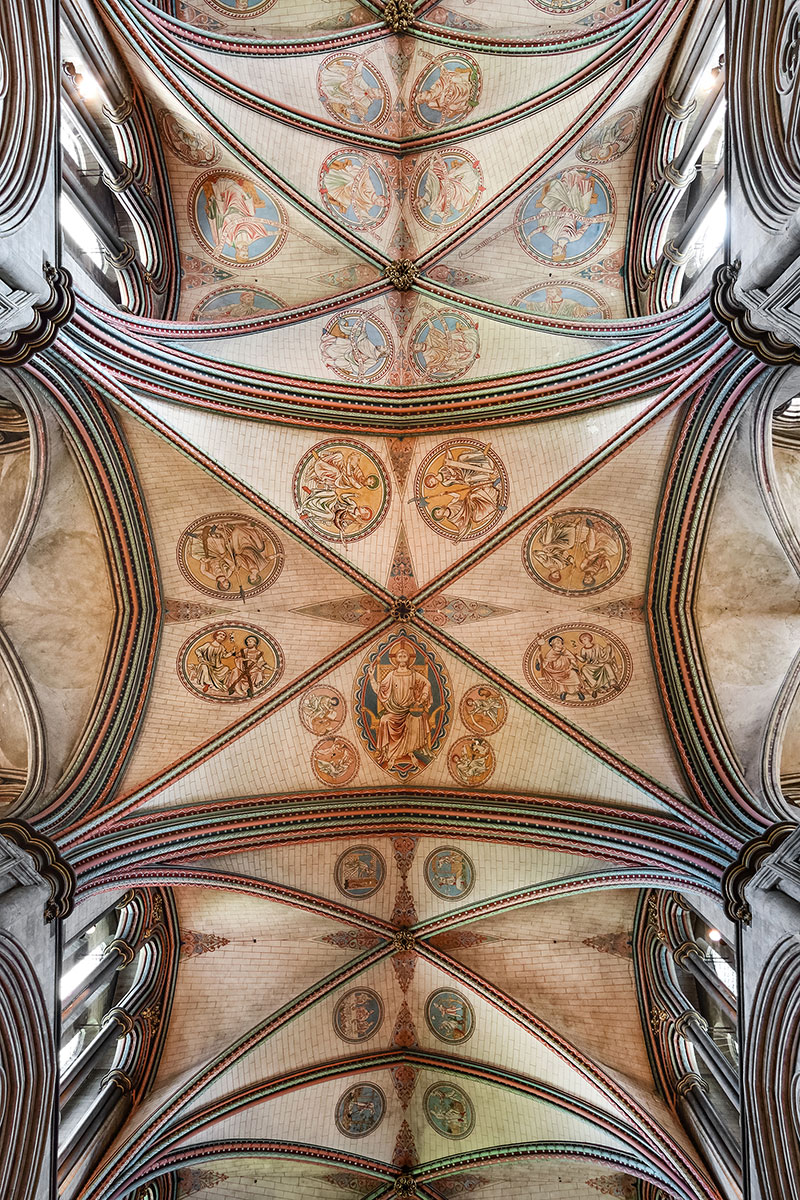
x: 354, y: 188
x: 235, y: 304
x: 334, y: 761
x: 353, y: 91
x: 483, y: 709
x: 235, y: 219
x: 563, y: 300
x: 229, y: 662
x: 461, y: 489
x: 322, y: 709
x: 560, y: 6
x: 444, y: 346
x: 578, y: 665
x: 449, y: 1110
x: 446, y: 91
x: 359, y: 872
x: 229, y: 555
x: 566, y: 219
x: 471, y: 761
x: 242, y: 9
x: 576, y: 550
x: 360, y: 1110
x: 445, y: 188
x: 357, y: 346
x: 189, y: 143
x: 358, y: 1015
x: 341, y: 490
x: 450, y: 1016
x: 449, y: 873
x: 611, y: 138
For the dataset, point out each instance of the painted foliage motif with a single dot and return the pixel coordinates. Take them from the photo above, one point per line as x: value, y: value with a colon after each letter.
x: 189, y: 143
x: 446, y: 91
x: 229, y: 555
x: 563, y: 300
x: 560, y: 6
x: 358, y: 1015
x: 578, y: 665
x: 444, y: 346
x: 483, y: 709
x: 239, y: 304
x: 360, y: 1110
x: 353, y: 91
x: 445, y: 188
x: 461, y: 489
x: 322, y: 709
x: 235, y: 219
x: 229, y: 662
x: 611, y: 138
x: 576, y: 551
x: 402, y: 705
x: 449, y: 1015
x: 567, y: 218
x: 359, y: 872
x: 449, y: 1110
x: 357, y: 346
x: 354, y: 188
x: 449, y: 872
x: 341, y: 489
x: 471, y: 761
x: 334, y: 761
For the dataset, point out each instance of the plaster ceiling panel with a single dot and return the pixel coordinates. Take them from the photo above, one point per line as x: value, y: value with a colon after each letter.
x: 266, y: 20
x: 523, y: 16
x: 14, y: 471
x: 272, y: 1178
x: 547, y: 1178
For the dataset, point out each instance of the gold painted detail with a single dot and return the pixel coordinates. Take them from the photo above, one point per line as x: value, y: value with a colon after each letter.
x: 398, y: 15
x: 402, y: 609
x: 404, y: 940
x: 405, y: 1185
x: 401, y: 273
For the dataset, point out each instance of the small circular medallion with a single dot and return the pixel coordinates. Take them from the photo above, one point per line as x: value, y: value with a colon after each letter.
x: 449, y: 873
x: 560, y: 6
x: 242, y: 9
x: 446, y: 91
x: 471, y: 761
x: 353, y: 91
x: 611, y: 138
x: 576, y: 551
x: 578, y: 665
x: 235, y: 219
x: 234, y: 304
x: 561, y: 300
x: 341, y: 489
x: 483, y: 709
x: 189, y: 143
x: 229, y: 662
x: 229, y: 556
x: 354, y: 188
x: 461, y: 489
x: 322, y: 709
x: 359, y: 872
x: 449, y: 1110
x: 360, y: 1110
x: 566, y: 219
x: 445, y: 188
x: 358, y: 1015
x: 450, y: 1016
x: 444, y: 346
x: 334, y: 761
x: 357, y: 346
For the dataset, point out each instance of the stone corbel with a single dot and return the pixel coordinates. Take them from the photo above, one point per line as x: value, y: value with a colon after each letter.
x: 739, y: 874
x: 48, y: 316
x: 49, y: 866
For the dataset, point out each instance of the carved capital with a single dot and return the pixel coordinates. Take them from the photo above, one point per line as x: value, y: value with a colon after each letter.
x: 52, y: 868
x: 123, y: 259
x: 118, y: 183
x: 728, y: 309
x: 739, y: 874
x: 679, y: 179
x: 686, y: 950
x: 677, y: 110
x: 118, y: 1077
x: 401, y: 273
x: 48, y: 316
x: 121, y: 1018
x: 687, y: 1018
x: 689, y: 1082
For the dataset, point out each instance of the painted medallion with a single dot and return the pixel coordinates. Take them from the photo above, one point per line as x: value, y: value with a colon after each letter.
x: 359, y: 872
x: 444, y: 346
x: 360, y: 1110
x: 402, y: 705
x: 235, y: 219
x: 611, y: 138
x: 449, y: 873
x: 449, y: 1110
x: 229, y: 662
x: 563, y: 300
x: 483, y: 709
x: 235, y: 304
x: 358, y: 1015
x: 450, y: 1016
x: 242, y: 9
x: 341, y: 490
x: 576, y: 551
x: 445, y: 188
x: 189, y: 143
x: 354, y: 188
x: 560, y: 6
x: 334, y: 761
x: 461, y: 489
x: 446, y: 91
x: 471, y: 761
x: 357, y: 346
x: 567, y: 218
x: 578, y: 665
x: 353, y: 91
x: 229, y: 556
x: 322, y: 709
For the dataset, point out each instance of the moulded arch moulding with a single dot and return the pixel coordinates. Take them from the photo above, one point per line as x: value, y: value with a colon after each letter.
x: 27, y: 107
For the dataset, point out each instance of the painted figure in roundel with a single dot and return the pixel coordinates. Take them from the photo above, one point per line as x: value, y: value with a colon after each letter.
x: 567, y: 218
x: 229, y: 662
x: 229, y: 556
x: 322, y: 709
x: 449, y: 1110
x: 341, y: 490
x: 353, y: 91
x: 354, y: 188
x: 461, y: 489
x: 240, y: 304
x: 360, y: 1110
x: 235, y: 219
x: 449, y: 1015
x: 359, y: 872
x: 357, y: 346
x: 483, y: 709
x: 445, y: 188
x: 189, y: 143
x: 611, y: 138
x: 358, y: 1015
x: 444, y: 346
x: 578, y: 665
x: 471, y: 761
x: 576, y: 551
x: 242, y: 9
x: 560, y: 6
x: 563, y: 300
x: 334, y: 761
x: 449, y: 873
x: 446, y: 91
x: 402, y: 705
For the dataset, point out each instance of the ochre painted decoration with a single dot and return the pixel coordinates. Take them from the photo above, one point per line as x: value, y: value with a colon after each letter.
x: 450, y: 1015
x: 242, y: 9
x: 354, y: 188
x: 402, y: 705
x: 483, y: 709
x: 444, y: 346
x: 235, y: 219
x: 576, y: 550
x: 189, y: 143
x: 353, y: 91
x: 471, y: 761
x: 611, y: 138
x: 449, y: 1110
x: 560, y: 6
x: 567, y: 218
x: 449, y: 872
x: 563, y: 300
x: 357, y: 346
x: 229, y: 556
x: 445, y: 188
x: 334, y: 761
x: 322, y: 709
x: 341, y: 490
x: 235, y: 304
x: 230, y: 662
x: 360, y: 872
x: 446, y: 91
x: 358, y: 1015
x: 360, y: 1110
x: 579, y: 665
x: 461, y: 489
